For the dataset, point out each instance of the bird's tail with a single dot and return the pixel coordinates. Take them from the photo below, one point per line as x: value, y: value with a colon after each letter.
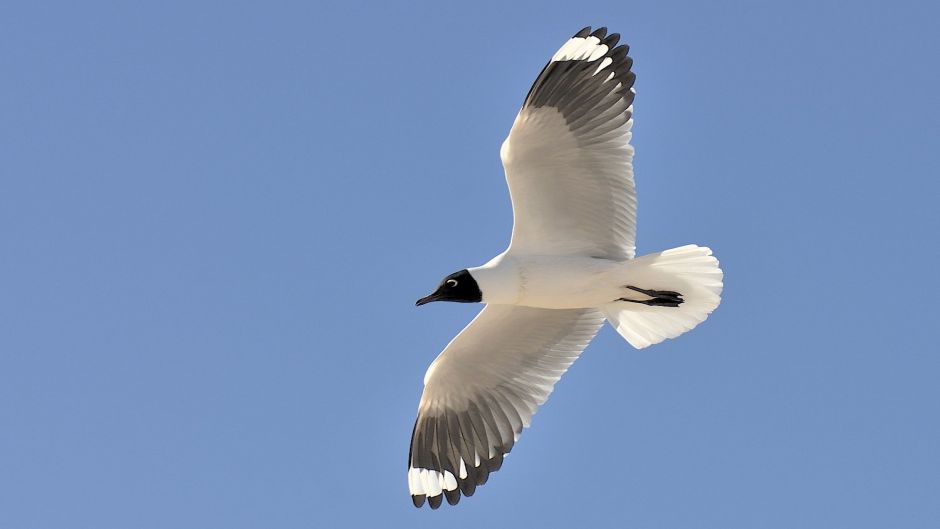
x: 668, y: 294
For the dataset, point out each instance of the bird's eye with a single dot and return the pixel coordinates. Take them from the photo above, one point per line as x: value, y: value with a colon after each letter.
x: 451, y: 282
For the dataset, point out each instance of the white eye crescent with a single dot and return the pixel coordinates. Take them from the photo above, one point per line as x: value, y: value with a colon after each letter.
x: 451, y: 282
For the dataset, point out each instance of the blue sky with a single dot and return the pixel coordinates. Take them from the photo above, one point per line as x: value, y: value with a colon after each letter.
x: 215, y: 219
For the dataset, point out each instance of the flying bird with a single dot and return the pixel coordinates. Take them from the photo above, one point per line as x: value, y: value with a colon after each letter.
x: 570, y: 266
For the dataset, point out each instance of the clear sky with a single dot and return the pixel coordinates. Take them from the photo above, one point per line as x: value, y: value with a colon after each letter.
x: 215, y: 219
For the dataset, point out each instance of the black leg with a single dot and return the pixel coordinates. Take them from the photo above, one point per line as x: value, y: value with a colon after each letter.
x: 659, y: 298
x: 656, y: 293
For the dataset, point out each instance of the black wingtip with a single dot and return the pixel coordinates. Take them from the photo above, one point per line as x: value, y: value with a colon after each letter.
x: 495, y: 463
x: 617, y: 54
x: 611, y: 40
x: 583, y: 33
x: 435, y: 501
x: 418, y: 500
x: 453, y: 496
x: 600, y: 33
x: 467, y: 487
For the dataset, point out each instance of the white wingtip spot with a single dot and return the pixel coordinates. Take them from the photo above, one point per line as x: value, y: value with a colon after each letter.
x: 450, y: 483
x: 425, y: 483
x: 414, y: 482
x: 432, y: 482
x: 581, y: 48
x: 463, y: 469
x: 604, y: 64
x: 564, y: 53
x: 598, y: 52
x: 585, y: 49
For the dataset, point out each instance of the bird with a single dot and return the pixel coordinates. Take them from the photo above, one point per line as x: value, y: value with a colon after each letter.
x: 569, y: 267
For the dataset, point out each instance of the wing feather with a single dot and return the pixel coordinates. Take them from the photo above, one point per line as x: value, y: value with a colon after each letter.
x: 568, y: 158
x: 484, y: 388
x: 568, y: 163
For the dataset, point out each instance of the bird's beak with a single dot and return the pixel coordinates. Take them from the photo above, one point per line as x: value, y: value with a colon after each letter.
x: 427, y: 299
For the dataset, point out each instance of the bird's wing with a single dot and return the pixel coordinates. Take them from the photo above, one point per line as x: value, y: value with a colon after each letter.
x: 568, y: 157
x: 484, y: 388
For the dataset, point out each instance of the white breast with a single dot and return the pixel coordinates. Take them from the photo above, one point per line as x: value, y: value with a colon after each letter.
x: 551, y: 282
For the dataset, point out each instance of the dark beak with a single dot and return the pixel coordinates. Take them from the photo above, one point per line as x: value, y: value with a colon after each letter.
x: 427, y: 299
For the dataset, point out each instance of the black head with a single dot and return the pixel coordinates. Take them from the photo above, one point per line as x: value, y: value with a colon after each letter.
x: 459, y: 286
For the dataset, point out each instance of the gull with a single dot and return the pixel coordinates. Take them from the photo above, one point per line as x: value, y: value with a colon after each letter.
x: 569, y: 267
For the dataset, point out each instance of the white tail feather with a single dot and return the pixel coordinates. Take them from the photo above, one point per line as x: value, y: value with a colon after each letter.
x: 689, y: 270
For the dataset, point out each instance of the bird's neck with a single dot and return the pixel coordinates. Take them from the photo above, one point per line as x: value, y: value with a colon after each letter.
x: 500, y: 280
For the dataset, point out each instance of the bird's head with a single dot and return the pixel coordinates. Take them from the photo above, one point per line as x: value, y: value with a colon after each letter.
x: 459, y: 286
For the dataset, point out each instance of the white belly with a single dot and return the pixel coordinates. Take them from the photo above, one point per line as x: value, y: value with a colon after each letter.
x: 549, y: 282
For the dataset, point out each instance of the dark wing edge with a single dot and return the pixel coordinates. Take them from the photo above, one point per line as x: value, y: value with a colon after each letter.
x: 589, y: 76
x: 445, y: 441
x: 483, y: 390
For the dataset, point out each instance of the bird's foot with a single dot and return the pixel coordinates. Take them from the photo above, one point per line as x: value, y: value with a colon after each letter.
x: 658, y: 298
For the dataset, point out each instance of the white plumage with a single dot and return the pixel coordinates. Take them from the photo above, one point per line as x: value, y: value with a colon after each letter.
x: 569, y: 266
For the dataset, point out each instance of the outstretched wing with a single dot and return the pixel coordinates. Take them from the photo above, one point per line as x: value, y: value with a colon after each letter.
x: 483, y: 389
x: 568, y: 157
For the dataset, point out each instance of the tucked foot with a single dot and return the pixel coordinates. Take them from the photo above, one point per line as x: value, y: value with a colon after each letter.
x: 658, y: 298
